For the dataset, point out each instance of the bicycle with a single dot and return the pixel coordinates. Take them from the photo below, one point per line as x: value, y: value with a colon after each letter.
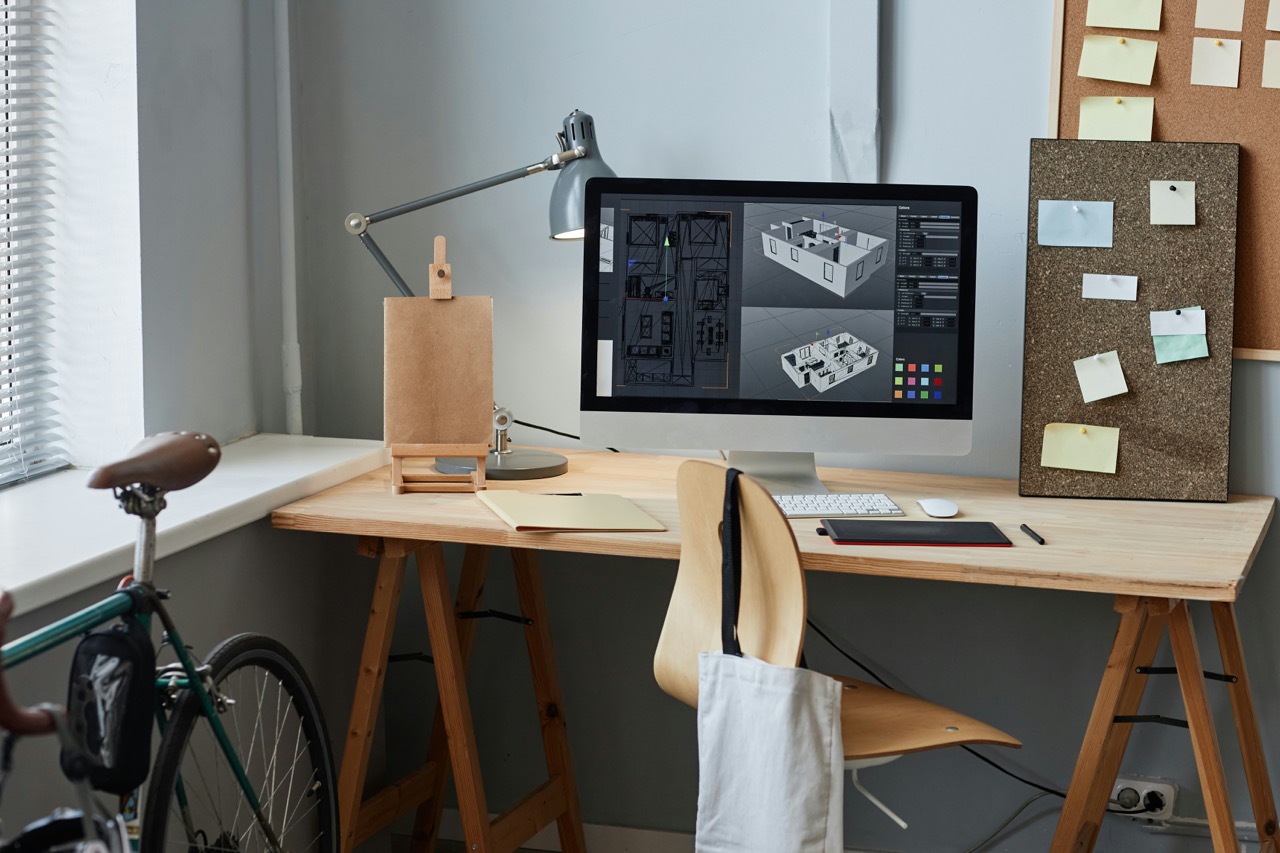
x: 244, y: 761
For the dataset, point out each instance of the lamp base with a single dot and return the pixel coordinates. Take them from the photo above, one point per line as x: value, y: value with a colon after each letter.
x: 518, y: 463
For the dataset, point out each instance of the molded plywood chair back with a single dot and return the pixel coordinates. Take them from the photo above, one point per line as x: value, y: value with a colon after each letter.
x: 878, y: 724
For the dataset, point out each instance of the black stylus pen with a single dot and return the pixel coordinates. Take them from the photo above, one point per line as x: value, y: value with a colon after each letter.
x: 1031, y: 533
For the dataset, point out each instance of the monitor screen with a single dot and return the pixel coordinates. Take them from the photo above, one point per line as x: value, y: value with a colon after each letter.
x: 778, y: 315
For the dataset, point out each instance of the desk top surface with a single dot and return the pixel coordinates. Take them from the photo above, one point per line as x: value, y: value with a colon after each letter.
x: 1119, y: 547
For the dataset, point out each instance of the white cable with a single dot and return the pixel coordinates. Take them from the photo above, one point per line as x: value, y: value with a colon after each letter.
x: 291, y: 351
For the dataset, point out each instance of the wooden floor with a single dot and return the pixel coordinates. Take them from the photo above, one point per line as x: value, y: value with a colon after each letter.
x: 400, y: 844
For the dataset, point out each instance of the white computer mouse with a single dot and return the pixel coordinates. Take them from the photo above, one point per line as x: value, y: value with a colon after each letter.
x: 938, y: 507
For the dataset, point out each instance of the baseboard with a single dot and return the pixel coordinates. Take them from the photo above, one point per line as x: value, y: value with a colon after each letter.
x: 600, y: 838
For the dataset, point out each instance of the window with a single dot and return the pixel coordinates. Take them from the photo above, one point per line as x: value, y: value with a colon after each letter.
x: 29, y: 441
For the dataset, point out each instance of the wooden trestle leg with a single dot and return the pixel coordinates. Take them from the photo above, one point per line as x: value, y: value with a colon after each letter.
x: 557, y: 799
x: 1142, y: 623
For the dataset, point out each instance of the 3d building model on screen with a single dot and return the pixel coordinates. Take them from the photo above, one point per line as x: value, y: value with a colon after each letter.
x: 675, y: 305
x: 826, y: 363
x: 835, y: 257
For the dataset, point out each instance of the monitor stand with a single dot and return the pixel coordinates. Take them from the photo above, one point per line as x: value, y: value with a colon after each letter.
x: 781, y: 472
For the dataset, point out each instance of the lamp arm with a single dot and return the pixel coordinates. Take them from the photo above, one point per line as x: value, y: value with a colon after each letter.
x: 358, y: 224
x: 390, y: 270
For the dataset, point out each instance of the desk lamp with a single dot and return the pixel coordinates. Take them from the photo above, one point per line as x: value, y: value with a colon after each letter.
x: 577, y: 160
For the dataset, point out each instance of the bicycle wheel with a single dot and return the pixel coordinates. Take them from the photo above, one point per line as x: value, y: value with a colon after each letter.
x: 275, y: 726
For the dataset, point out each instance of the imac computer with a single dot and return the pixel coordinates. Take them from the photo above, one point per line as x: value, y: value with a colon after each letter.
x: 776, y: 319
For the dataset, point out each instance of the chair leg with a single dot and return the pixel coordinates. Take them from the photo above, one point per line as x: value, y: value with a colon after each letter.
x: 875, y: 801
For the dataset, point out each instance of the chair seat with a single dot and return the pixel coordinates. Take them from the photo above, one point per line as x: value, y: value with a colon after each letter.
x: 877, y: 721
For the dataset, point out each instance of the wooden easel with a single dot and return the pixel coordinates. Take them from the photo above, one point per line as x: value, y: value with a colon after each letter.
x: 473, y: 416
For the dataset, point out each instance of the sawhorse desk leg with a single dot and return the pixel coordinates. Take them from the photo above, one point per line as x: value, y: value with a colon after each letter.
x: 1143, y: 622
x: 453, y: 743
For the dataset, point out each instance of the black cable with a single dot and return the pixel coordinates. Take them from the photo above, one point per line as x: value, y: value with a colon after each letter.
x: 557, y: 432
x: 547, y: 429
x: 862, y: 666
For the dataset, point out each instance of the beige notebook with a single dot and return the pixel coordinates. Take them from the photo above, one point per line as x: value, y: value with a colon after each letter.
x: 526, y: 511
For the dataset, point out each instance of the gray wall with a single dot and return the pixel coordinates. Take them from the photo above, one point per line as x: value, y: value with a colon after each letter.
x: 210, y: 247
x: 403, y: 99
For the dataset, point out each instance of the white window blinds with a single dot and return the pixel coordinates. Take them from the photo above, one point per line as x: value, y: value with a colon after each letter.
x: 29, y: 440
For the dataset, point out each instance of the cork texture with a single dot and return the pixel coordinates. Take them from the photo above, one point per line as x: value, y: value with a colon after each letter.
x: 438, y: 370
x: 1175, y: 421
x: 1185, y: 113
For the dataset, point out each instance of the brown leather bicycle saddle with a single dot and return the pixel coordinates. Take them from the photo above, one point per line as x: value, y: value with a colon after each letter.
x: 168, y: 461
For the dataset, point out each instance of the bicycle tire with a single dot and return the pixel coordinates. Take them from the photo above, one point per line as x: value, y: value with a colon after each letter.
x: 257, y: 668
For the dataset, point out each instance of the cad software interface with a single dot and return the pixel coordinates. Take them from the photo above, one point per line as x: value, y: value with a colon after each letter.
x: 742, y: 299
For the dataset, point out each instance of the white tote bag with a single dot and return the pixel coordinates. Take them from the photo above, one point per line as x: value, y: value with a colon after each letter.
x: 770, y: 755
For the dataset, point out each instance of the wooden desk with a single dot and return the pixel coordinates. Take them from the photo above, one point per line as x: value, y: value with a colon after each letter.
x: 1153, y: 557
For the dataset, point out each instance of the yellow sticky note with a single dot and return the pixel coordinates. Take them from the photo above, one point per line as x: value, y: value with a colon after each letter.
x: 1271, y: 64
x: 1127, y: 60
x: 1215, y: 62
x: 1173, y: 202
x: 1116, y: 118
x: 1124, y: 14
x: 1080, y: 447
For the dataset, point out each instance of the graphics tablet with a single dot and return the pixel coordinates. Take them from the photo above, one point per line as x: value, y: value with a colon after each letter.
x: 877, y: 531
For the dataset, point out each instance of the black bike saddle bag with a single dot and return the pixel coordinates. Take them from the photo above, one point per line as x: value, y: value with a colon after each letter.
x: 111, y: 707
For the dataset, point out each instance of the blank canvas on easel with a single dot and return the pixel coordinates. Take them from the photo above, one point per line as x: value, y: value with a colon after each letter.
x: 438, y: 374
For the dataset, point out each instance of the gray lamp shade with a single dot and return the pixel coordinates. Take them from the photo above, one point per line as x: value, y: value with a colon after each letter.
x: 568, y: 197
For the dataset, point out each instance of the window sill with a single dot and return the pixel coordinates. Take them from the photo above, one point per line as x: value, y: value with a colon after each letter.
x: 61, y: 537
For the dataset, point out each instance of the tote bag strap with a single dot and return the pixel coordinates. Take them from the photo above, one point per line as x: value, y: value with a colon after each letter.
x: 730, y: 565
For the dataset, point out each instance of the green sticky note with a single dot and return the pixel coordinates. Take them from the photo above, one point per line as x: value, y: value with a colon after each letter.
x: 1126, y: 60
x: 1180, y: 347
x: 1124, y: 14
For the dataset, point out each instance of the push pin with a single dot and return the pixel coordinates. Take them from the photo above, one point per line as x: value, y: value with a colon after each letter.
x: 1076, y: 208
x: 1217, y: 42
x: 1177, y: 312
x: 1083, y: 431
x: 1097, y: 357
x: 1122, y: 39
x: 1172, y: 188
x: 1118, y: 101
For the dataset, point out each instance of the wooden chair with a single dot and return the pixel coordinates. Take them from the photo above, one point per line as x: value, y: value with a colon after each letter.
x: 878, y: 724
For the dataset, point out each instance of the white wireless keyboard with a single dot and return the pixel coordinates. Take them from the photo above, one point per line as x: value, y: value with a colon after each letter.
x: 836, y: 505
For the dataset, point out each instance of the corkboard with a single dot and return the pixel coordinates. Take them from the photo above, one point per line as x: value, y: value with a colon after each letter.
x: 438, y: 370
x: 1175, y: 421
x: 1186, y: 113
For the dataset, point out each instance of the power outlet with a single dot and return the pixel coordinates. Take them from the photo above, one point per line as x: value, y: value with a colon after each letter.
x: 1149, y: 798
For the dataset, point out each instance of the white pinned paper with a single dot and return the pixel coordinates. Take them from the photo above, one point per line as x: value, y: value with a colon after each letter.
x: 1184, y: 321
x: 1100, y: 376
x: 1098, y: 286
x: 1173, y: 202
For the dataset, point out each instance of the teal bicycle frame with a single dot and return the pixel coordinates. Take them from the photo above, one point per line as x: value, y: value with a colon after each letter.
x: 138, y: 601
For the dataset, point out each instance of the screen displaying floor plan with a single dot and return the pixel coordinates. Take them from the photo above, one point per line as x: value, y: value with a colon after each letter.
x: 748, y: 299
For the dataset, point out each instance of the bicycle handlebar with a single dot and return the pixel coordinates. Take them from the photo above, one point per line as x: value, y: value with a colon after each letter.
x: 14, y: 717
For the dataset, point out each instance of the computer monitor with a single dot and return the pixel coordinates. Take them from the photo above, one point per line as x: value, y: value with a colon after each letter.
x: 766, y: 316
